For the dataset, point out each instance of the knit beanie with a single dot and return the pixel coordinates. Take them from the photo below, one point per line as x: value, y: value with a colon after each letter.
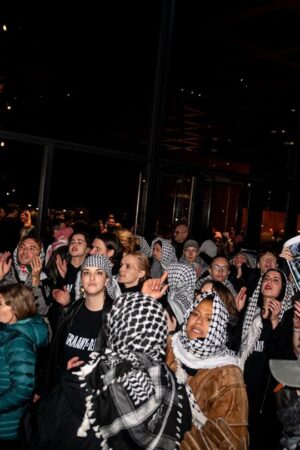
x: 100, y: 261
x: 191, y: 243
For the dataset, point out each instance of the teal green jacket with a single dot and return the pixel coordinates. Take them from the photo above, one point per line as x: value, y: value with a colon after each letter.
x: 18, y: 352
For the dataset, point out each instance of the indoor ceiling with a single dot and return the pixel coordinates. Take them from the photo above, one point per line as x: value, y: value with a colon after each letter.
x: 235, y: 80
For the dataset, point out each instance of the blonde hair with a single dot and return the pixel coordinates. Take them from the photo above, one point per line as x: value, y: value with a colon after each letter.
x: 142, y: 263
x: 128, y: 241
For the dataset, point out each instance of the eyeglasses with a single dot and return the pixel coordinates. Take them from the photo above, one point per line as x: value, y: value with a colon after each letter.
x: 217, y: 268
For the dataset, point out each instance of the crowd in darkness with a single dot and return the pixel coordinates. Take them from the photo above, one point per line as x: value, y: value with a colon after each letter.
x: 108, y: 340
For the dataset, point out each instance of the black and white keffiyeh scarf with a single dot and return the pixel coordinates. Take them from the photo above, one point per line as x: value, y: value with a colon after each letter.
x: 181, y: 282
x: 168, y: 255
x: 144, y: 246
x: 133, y: 399
x: 252, y: 324
x: 211, y: 351
x: 100, y: 261
x: 205, y: 353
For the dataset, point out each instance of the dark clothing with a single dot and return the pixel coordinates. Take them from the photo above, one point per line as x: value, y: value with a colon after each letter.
x: 12, y: 445
x: 288, y: 411
x: 125, y: 290
x: 55, y: 421
x: 238, y: 283
x: 56, y: 363
x: 10, y: 228
x: 61, y: 409
x: 81, y: 340
x: 178, y: 248
x: 69, y: 280
x: 57, y: 311
x: 264, y: 426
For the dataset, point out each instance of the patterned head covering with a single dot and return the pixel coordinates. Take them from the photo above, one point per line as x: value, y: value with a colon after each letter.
x: 253, y: 307
x: 133, y: 398
x: 252, y: 324
x: 208, y: 352
x: 144, y: 246
x: 181, y: 281
x: 100, y: 261
x: 216, y: 338
x: 168, y: 254
x: 204, y: 353
x: 137, y: 323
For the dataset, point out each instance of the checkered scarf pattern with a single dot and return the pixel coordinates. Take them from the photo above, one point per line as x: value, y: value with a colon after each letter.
x: 144, y: 246
x: 113, y: 287
x: 252, y: 308
x: 156, y: 270
x: 215, y: 342
x: 100, y: 261
x: 168, y: 254
x: 181, y: 281
x: 252, y: 324
x: 132, y: 394
x: 136, y: 323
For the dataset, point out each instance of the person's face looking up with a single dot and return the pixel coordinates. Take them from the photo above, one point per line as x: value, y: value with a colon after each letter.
x: 199, y: 320
x: 267, y: 261
x: 27, y: 250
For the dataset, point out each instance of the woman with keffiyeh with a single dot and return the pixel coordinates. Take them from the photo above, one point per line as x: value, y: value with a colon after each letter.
x: 133, y: 400
x: 163, y: 254
x: 214, y: 382
x: 267, y: 332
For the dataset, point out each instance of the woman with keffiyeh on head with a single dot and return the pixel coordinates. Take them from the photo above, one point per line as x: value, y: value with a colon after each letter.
x: 214, y: 382
x: 163, y: 254
x: 181, y: 284
x: 133, y: 400
x: 267, y: 332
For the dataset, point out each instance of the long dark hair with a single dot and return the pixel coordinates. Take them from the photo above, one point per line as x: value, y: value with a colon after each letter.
x: 283, y: 287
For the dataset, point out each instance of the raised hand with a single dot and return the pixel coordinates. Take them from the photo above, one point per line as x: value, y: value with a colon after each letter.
x: 74, y: 362
x: 5, y: 264
x: 274, y: 307
x: 62, y: 296
x: 296, y: 317
x: 240, y: 298
x: 172, y: 322
x: 155, y: 287
x: 287, y: 254
x: 36, y: 269
x: 61, y: 265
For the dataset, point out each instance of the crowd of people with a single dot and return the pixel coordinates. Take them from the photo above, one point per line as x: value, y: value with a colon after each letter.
x: 110, y: 341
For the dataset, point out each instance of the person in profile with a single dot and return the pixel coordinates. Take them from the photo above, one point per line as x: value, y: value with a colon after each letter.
x: 23, y: 332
